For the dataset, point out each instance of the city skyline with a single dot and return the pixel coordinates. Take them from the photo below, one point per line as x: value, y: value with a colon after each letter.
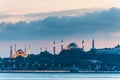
x: 40, y: 22
x: 49, y: 47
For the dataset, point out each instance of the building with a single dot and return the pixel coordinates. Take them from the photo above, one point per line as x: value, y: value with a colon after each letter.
x: 19, y: 52
x: 114, y: 50
x: 93, y: 49
x: 73, y: 46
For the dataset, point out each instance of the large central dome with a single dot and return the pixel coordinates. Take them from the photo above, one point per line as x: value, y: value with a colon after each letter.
x: 72, y: 46
x: 20, y: 52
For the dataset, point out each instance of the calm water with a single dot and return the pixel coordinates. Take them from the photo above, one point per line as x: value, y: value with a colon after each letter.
x: 59, y: 76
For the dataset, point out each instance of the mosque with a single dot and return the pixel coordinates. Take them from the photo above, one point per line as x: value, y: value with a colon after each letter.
x: 71, y: 46
x: 19, y: 52
x: 24, y: 53
x: 74, y: 46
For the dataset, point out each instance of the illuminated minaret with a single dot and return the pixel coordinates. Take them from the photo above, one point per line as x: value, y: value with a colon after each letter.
x: 83, y: 44
x: 93, y: 46
x: 54, y: 47
x: 29, y: 49
x: 15, y: 48
x: 25, y: 48
x: 10, y: 51
x: 61, y: 44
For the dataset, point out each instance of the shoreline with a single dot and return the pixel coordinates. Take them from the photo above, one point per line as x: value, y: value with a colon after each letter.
x: 53, y: 71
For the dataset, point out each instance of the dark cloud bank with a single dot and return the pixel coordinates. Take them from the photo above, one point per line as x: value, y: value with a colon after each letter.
x: 54, y: 27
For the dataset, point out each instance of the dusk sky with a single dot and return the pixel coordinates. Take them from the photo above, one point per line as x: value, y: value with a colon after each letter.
x: 40, y: 22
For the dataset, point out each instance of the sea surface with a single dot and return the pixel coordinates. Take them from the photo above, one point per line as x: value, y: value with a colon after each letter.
x: 59, y: 76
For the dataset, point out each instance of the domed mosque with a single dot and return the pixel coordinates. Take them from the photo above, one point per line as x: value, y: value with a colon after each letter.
x: 20, y: 52
x: 74, y: 46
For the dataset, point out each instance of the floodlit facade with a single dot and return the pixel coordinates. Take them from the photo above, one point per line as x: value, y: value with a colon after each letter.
x: 19, y: 52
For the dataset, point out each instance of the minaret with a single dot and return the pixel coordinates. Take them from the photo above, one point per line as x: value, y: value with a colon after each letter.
x: 93, y: 46
x: 45, y: 48
x: 54, y: 47
x: 25, y: 48
x: 10, y: 51
x: 15, y: 48
x: 29, y: 49
x: 40, y: 49
x: 61, y: 44
x: 83, y: 45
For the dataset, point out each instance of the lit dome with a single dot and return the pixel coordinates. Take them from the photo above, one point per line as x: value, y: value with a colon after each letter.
x: 20, y: 52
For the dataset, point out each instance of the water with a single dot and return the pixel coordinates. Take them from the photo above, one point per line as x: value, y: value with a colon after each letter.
x: 59, y: 76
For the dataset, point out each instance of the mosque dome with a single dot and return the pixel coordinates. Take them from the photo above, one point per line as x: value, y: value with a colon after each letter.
x: 19, y: 52
x: 72, y: 46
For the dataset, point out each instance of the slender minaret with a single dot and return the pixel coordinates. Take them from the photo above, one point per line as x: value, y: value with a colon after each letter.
x: 10, y: 51
x: 25, y: 48
x: 45, y: 48
x: 93, y: 46
x: 40, y: 49
x: 29, y: 49
x: 15, y: 48
x: 83, y: 45
x: 61, y: 44
x: 54, y: 47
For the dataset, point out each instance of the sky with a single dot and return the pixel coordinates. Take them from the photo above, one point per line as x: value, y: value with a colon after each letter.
x: 33, y: 6
x: 40, y: 22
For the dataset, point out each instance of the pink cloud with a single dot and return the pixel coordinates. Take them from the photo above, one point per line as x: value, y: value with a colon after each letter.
x: 115, y: 34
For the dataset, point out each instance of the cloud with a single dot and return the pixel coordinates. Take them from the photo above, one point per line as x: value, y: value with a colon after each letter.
x: 115, y: 34
x: 97, y: 23
x: 39, y: 16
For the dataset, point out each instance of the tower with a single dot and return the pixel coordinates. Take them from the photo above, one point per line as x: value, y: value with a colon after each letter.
x: 83, y: 44
x: 45, y: 48
x: 40, y: 49
x: 15, y: 48
x: 10, y: 51
x: 29, y: 49
x: 93, y: 44
x: 61, y: 44
x: 54, y: 47
x: 25, y: 48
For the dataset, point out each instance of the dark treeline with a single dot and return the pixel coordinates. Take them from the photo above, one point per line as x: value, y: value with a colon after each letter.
x: 65, y: 60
